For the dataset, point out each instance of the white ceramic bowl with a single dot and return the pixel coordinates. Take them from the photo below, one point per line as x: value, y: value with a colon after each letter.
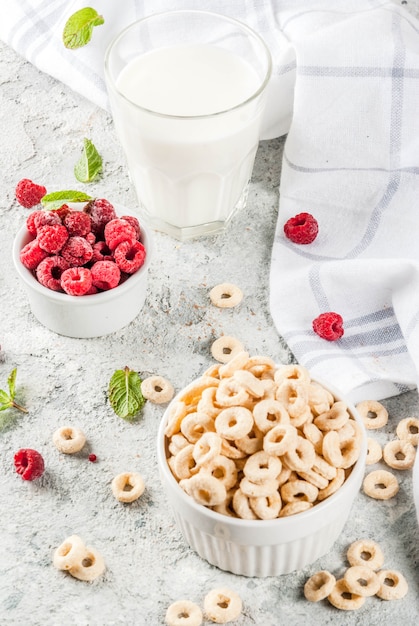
x: 262, y: 547
x: 86, y: 316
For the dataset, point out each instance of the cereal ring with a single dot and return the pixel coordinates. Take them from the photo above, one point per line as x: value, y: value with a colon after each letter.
x: 256, y: 490
x: 234, y: 422
x: 206, y: 448
x: 222, y: 605
x: 268, y: 413
x: 319, y: 399
x: 184, y: 463
x: 176, y: 413
x: 350, y: 451
x: 230, y: 450
x: 293, y: 394
x: 89, y: 567
x: 222, y: 468
x: 69, y: 553
x: 331, y: 448
x: 226, y: 507
x: 260, y: 366
x: 283, y: 476
x: 333, y: 486
x: 204, y: 489
x: 177, y: 442
x: 393, y: 585
x: 241, y: 505
x: 254, y: 386
x: 225, y: 348
x: 252, y: 442
x: 315, y: 435
x: 238, y: 362
x: 230, y: 393
x: 408, y: 428
x: 365, y: 552
x: 226, y: 295
x: 319, y: 586
x: 341, y: 598
x: 69, y: 439
x: 373, y: 413
x: 292, y: 508
x: 399, y: 454
x: 262, y: 466
x: 193, y: 392
x: 314, y: 478
x: 333, y: 419
x: 128, y: 486
x: 302, y: 457
x: 362, y: 580
x: 374, y: 451
x: 298, y: 490
x: 195, y: 424
x: 279, y: 439
x: 324, y: 468
x: 207, y: 403
x: 291, y: 372
x: 183, y: 613
x: 381, y: 485
x: 157, y: 389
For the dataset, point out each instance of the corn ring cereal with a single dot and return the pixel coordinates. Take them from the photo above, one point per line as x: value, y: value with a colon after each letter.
x: 237, y: 362
x: 194, y: 425
x: 262, y: 466
x: 177, y: 442
x: 333, y: 419
x: 206, y: 448
x: 226, y: 295
x: 254, y: 386
x: 234, y: 422
x: 230, y: 393
x: 254, y: 490
x: 302, y: 457
x: 222, y: 468
x: 184, y: 463
x: 393, y: 585
x: 324, y: 468
x: 90, y: 566
x: 69, y: 439
x: 222, y: 605
x: 128, y: 486
x: 207, y: 403
x: 319, y: 399
x: 260, y: 366
x: 292, y: 372
x: 231, y: 450
x: 183, y: 613
x: 293, y: 394
x: 315, y: 435
x: 373, y: 413
x: 252, y: 442
x: 314, y: 478
x: 333, y: 486
x: 225, y: 348
x: 408, y: 428
x: 399, y: 454
x: 241, y: 505
x: 292, y: 508
x: 298, y: 490
x: 266, y: 507
x: 374, y: 451
x: 331, y: 448
x: 205, y: 489
x: 279, y: 439
x: 319, y: 586
x: 177, y: 412
x: 362, y: 580
x: 157, y: 389
x: 69, y: 553
x: 267, y: 413
x: 350, y: 450
x: 365, y: 552
x: 341, y: 598
x: 381, y: 485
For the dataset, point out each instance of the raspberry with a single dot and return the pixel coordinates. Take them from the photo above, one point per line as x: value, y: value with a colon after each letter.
x: 29, y: 463
x: 329, y: 326
x: 105, y: 274
x: 49, y: 272
x: 77, y: 223
x: 91, y: 238
x: 31, y: 255
x: 62, y: 211
x: 77, y: 251
x: 302, y: 228
x: 52, y: 238
x: 117, y: 231
x: 129, y: 257
x: 101, y: 212
x: 134, y: 223
x: 46, y: 218
x: 28, y: 193
x: 76, y: 281
x: 30, y: 221
x: 101, y: 252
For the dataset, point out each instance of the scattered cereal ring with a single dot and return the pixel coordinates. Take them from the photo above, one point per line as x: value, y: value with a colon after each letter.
x: 341, y: 598
x: 292, y: 508
x: 362, y: 580
x: 157, y: 389
x: 381, y: 485
x: 373, y: 413
x: 183, y: 613
x: 262, y: 466
x: 234, y: 422
x: 89, y: 567
x: 69, y: 553
x: 319, y: 586
x: 69, y: 439
x: 408, y: 428
x: 226, y: 348
x: 128, y: 486
x: 365, y: 552
x: 222, y: 605
x: 266, y: 507
x: 393, y: 585
x: 399, y: 454
x: 374, y: 451
x: 205, y: 489
x: 226, y: 295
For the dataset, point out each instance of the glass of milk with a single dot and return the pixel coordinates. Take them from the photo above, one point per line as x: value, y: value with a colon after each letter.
x: 187, y: 92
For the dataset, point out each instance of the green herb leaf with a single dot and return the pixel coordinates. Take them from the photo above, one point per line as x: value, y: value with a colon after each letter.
x: 4, y: 400
x: 90, y: 164
x: 56, y: 199
x: 7, y: 400
x: 79, y: 27
x: 125, y: 393
x: 11, y: 381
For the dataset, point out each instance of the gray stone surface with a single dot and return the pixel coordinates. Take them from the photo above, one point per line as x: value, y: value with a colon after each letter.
x: 62, y: 380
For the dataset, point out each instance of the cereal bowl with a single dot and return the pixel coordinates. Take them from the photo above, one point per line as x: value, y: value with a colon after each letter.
x: 260, y: 547
x: 86, y: 316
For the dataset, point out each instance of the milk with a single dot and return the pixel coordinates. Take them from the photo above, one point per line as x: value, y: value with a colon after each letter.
x: 188, y: 134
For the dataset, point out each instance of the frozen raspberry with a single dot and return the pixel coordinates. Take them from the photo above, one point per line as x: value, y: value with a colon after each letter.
x: 62, y: 211
x: 129, y: 257
x: 302, y: 228
x: 101, y: 252
x: 329, y: 326
x: 49, y: 272
x: 31, y: 255
x: 46, y: 218
x: 91, y: 238
x: 76, y: 281
x: 134, y: 223
x: 29, y: 463
x: 77, y: 223
x: 52, y: 238
x: 105, y: 274
x: 101, y: 212
x: 77, y: 251
x: 117, y: 231
x: 30, y: 221
x: 28, y: 193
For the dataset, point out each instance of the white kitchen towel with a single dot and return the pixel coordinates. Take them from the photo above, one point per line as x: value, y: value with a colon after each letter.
x: 345, y: 89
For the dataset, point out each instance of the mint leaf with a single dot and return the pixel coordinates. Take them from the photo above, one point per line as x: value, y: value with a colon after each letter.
x: 11, y: 382
x: 7, y: 400
x: 56, y: 199
x: 90, y: 164
x: 125, y: 393
x: 79, y: 27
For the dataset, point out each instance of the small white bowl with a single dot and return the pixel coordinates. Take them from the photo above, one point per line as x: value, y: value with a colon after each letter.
x: 262, y: 548
x: 86, y: 316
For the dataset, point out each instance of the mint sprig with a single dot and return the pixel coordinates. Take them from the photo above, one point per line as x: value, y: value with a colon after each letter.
x: 56, y: 199
x: 7, y: 400
x: 79, y: 27
x: 89, y: 165
x: 125, y: 394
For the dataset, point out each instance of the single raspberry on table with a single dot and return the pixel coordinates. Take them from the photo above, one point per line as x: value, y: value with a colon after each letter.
x: 28, y: 193
x: 76, y: 281
x: 105, y: 275
x: 77, y: 251
x: 31, y: 255
x: 301, y: 228
x: 29, y: 463
x: 101, y: 252
x: 329, y: 326
x: 78, y: 223
x: 130, y: 257
x: 117, y: 231
x: 52, y: 238
x: 49, y: 272
x: 101, y: 212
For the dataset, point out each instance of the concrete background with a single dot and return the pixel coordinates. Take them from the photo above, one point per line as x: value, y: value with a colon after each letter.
x: 64, y: 381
